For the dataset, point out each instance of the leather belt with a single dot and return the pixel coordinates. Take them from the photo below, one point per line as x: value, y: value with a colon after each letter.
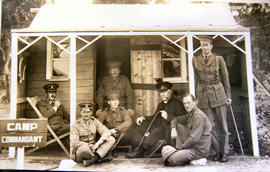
x: 209, y: 82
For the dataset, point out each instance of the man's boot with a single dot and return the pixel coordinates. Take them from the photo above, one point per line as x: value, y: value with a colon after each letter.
x: 224, y: 157
x: 136, y: 154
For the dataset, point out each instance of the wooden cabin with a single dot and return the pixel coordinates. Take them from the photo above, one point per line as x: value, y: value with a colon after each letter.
x: 71, y: 47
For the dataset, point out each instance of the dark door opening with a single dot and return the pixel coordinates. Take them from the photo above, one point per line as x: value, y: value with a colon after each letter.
x: 112, y: 49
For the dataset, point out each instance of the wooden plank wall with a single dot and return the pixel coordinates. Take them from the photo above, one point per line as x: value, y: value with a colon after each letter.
x: 145, y: 67
x: 36, y: 77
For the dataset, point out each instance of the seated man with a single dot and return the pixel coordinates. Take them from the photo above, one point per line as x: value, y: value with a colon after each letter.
x: 84, y: 147
x: 192, y: 133
x: 115, y: 82
x: 51, y: 108
x: 116, y: 118
x: 169, y: 108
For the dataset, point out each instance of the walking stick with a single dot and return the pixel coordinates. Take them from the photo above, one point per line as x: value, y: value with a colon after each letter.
x: 238, y: 136
x: 148, y: 128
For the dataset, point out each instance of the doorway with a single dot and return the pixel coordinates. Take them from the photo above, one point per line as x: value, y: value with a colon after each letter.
x: 112, y: 49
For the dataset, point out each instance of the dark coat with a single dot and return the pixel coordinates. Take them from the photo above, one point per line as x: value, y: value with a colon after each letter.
x: 59, y: 120
x: 212, y: 81
x: 160, y: 128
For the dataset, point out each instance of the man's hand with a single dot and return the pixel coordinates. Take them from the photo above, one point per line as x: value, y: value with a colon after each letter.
x: 113, y: 131
x: 57, y: 103
x: 229, y: 101
x: 95, y: 147
x: 173, y: 133
x: 140, y: 120
x: 164, y: 114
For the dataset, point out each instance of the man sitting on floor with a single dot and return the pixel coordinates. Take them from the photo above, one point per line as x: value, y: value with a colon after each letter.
x: 84, y: 146
x: 116, y: 118
x: 192, y: 133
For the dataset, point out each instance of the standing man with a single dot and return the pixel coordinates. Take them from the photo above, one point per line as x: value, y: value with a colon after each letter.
x: 116, y: 118
x: 115, y: 82
x: 214, y: 94
x: 193, y: 136
x: 84, y: 147
x: 169, y: 108
x: 52, y: 108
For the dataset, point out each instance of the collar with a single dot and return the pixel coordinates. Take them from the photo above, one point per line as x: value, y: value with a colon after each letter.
x: 49, y: 101
x: 192, y: 111
x: 114, y: 111
x: 115, y: 80
x: 170, y: 99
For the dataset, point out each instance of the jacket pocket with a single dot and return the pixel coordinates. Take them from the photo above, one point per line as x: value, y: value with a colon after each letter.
x: 219, y: 92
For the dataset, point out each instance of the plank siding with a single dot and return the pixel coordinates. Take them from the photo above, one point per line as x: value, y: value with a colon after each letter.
x: 145, y: 67
x: 36, y: 77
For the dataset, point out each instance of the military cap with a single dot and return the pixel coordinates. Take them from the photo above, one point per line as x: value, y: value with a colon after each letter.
x: 50, y: 87
x: 205, y: 38
x: 113, y: 95
x: 114, y: 64
x: 167, y: 151
x: 88, y: 105
x: 163, y: 86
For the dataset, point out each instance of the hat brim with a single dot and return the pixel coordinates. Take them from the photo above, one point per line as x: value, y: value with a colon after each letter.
x: 167, y: 156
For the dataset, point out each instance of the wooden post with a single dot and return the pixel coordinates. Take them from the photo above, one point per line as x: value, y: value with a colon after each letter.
x: 20, y: 158
x: 251, y: 97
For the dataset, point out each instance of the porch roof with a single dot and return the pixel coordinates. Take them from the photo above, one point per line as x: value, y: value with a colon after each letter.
x: 128, y: 18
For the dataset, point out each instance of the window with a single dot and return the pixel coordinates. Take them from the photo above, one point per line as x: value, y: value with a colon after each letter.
x: 57, y: 60
x: 173, y: 59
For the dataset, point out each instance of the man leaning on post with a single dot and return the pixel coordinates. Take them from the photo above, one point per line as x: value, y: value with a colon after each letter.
x: 84, y: 147
x: 192, y: 133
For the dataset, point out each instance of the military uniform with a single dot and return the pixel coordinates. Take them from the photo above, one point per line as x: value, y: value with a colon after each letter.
x: 193, y: 137
x: 57, y: 119
x: 212, y: 91
x: 83, y: 138
x: 119, y: 119
x: 122, y: 85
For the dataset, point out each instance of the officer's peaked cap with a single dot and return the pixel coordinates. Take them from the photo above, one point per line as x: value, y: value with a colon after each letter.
x: 50, y: 87
x: 87, y: 105
x: 205, y: 38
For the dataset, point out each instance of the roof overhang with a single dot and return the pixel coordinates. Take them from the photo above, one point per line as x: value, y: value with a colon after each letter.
x: 133, y: 18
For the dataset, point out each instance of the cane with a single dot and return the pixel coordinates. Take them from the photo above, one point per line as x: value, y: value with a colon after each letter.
x: 238, y: 136
x: 147, y: 130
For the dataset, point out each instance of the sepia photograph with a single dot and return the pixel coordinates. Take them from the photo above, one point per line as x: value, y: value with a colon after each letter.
x: 135, y: 85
